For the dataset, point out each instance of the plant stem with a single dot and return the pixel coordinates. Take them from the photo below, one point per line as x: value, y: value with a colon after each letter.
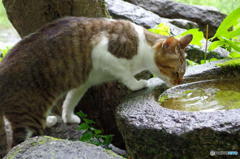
x: 206, y: 44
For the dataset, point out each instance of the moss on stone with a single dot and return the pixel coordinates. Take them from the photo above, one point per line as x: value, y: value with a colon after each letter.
x: 13, y: 155
x: 230, y: 63
x: 112, y: 153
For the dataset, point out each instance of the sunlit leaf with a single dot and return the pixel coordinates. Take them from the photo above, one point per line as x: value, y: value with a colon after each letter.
x: 161, y: 29
x: 215, y: 45
x: 234, y: 55
x: 233, y: 44
x: 231, y: 20
x: 197, y: 36
x: 191, y: 63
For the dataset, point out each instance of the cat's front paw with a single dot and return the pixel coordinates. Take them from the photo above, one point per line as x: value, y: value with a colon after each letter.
x: 51, y: 121
x: 71, y: 119
x: 139, y: 85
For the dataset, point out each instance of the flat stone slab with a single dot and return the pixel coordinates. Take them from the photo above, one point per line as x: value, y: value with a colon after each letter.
x: 52, y: 148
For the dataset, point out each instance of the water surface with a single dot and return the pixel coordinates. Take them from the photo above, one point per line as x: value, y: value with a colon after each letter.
x: 203, y: 96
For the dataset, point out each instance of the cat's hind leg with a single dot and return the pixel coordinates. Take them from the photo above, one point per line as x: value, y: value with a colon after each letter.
x: 3, y: 138
x: 69, y: 104
x: 25, y: 126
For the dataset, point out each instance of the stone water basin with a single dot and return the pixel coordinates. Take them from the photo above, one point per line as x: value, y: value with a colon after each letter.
x: 210, y: 124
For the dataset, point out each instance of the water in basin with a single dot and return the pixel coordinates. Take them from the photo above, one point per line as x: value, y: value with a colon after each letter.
x: 203, y: 96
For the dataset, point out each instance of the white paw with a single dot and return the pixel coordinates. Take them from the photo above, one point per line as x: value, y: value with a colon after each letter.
x: 51, y: 121
x: 139, y: 85
x: 71, y: 119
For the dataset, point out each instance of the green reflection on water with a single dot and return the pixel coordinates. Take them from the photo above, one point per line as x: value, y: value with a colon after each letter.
x: 204, y: 98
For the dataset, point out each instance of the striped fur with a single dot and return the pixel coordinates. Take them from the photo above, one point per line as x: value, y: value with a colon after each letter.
x: 71, y: 55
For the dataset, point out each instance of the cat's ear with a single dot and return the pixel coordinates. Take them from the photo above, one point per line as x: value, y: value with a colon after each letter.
x: 169, y: 42
x: 184, y: 41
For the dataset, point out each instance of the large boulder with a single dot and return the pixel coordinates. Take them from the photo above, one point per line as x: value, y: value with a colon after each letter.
x: 53, y: 148
x: 203, y: 16
x: 124, y: 10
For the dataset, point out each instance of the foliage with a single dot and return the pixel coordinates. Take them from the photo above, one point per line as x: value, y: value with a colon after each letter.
x: 225, y: 6
x: 3, y: 52
x: 227, y: 36
x: 228, y: 33
x: 162, y: 29
x: 197, y: 36
x: 4, y: 22
x: 91, y: 134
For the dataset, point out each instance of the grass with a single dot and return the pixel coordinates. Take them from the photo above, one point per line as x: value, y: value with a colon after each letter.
x: 225, y: 6
x: 4, y: 22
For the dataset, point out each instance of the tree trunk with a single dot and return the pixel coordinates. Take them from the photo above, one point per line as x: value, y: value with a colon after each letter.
x: 28, y: 15
x: 100, y: 101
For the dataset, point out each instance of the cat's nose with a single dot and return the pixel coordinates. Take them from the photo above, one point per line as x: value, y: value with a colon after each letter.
x: 177, y: 81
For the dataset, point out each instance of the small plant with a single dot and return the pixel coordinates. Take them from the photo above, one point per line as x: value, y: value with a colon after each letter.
x: 228, y: 33
x: 3, y: 52
x: 91, y: 134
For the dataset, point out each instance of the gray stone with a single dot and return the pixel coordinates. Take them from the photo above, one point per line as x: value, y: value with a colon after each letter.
x: 210, y: 71
x: 182, y: 23
x: 124, y: 10
x: 169, y: 9
x: 52, y: 148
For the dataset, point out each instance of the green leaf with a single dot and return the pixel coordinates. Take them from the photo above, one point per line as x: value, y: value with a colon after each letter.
x: 191, y: 63
x: 88, y: 121
x: 232, y: 34
x: 83, y: 126
x: 87, y: 136
x: 107, y: 139
x: 213, y: 59
x: 233, y: 44
x: 162, y: 29
x: 234, y: 55
x: 215, y: 45
x: 231, y: 20
x: 81, y: 114
x: 204, y: 61
x: 3, y: 52
x: 96, y: 131
x: 96, y: 142
x: 197, y: 36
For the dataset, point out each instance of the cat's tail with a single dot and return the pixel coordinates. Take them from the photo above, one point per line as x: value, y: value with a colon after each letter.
x: 3, y: 137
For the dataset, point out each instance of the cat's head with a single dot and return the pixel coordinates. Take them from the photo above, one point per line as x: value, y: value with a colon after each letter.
x: 170, y: 59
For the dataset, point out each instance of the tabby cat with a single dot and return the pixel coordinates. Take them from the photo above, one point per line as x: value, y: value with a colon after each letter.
x: 69, y: 56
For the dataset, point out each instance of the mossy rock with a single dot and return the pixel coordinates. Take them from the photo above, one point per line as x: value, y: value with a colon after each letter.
x: 53, y: 148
